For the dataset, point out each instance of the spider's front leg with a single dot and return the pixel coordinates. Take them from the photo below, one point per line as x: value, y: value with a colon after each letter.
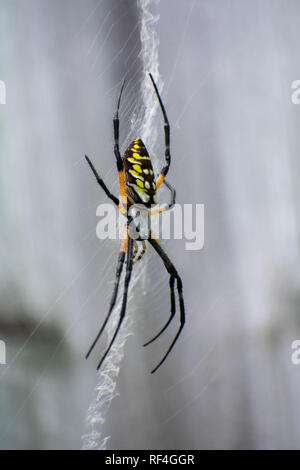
x: 104, y: 187
x: 120, y: 166
x: 121, y: 206
x: 165, y: 169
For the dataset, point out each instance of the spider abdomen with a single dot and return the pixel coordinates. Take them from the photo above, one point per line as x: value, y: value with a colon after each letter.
x: 140, y: 186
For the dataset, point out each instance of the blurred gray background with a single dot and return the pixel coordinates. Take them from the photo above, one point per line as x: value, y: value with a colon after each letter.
x: 227, y: 68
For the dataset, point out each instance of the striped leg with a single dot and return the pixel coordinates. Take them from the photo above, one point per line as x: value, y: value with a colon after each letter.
x: 136, y: 248
x: 124, y: 302
x: 119, y: 164
x: 173, y: 311
x: 120, y: 167
x: 141, y: 253
x: 165, y: 169
x: 173, y: 274
x: 115, y: 291
x: 104, y: 187
x: 169, y: 206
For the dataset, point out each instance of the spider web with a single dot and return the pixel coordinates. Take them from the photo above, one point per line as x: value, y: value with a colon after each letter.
x: 234, y: 144
x: 143, y: 121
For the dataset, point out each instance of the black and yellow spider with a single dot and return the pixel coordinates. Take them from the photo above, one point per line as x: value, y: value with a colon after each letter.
x: 138, y: 187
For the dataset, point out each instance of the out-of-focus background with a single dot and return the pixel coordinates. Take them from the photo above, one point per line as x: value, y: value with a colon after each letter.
x: 227, y: 68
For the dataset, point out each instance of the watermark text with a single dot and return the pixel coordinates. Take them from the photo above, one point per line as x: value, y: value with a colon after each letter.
x: 2, y: 352
x: 181, y: 222
x: 295, y: 356
x: 2, y: 92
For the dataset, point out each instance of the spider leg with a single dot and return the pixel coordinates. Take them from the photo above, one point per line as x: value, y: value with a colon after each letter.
x: 124, y: 302
x: 135, y: 251
x: 104, y: 187
x: 172, y: 278
x: 165, y: 169
x: 172, y: 271
x: 136, y: 248
x: 173, y: 194
x: 119, y: 160
x: 141, y: 253
x: 169, y: 206
x: 173, y: 311
x: 115, y: 291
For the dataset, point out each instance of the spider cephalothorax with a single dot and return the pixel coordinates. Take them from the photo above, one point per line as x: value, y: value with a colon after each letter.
x: 138, y: 187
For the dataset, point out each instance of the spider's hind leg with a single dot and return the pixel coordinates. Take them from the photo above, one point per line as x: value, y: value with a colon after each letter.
x: 115, y: 291
x: 173, y: 311
x: 173, y: 274
x: 124, y: 301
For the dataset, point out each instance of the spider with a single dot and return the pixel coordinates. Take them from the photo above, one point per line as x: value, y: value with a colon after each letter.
x: 138, y: 187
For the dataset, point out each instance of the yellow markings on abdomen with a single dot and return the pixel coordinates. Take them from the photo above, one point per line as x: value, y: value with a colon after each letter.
x: 139, y: 157
x: 140, y: 183
x: 140, y: 192
x: 138, y: 168
x: 133, y: 160
x: 136, y: 175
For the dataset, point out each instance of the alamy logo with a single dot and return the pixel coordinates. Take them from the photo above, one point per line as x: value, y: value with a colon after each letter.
x: 181, y: 222
x: 2, y: 352
x: 295, y: 356
x: 2, y: 92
